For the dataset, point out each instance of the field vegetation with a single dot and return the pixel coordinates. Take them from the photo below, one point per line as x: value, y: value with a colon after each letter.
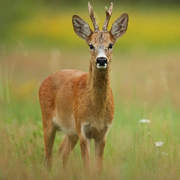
x: 145, y: 79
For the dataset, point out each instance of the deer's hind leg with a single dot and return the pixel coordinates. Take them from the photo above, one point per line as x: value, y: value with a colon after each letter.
x: 67, y: 145
x: 47, y: 98
x: 49, y: 136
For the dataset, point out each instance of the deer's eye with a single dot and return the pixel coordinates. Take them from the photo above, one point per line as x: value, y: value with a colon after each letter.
x: 91, y: 46
x: 110, y: 46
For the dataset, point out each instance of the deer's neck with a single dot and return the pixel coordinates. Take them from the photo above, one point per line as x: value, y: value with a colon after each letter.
x: 98, y: 86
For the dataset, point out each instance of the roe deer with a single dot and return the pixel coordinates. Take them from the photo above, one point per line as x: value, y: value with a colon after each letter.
x: 81, y: 104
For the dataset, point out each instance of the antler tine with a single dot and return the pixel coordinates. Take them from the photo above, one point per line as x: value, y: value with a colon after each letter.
x: 108, y: 16
x: 93, y: 19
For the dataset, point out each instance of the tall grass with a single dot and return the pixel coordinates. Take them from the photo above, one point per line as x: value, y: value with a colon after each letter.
x: 130, y: 151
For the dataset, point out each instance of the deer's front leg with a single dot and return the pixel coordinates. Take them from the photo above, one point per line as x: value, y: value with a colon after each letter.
x: 85, y: 151
x: 99, y: 149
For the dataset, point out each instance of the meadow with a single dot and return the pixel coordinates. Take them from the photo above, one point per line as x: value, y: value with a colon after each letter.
x: 145, y: 79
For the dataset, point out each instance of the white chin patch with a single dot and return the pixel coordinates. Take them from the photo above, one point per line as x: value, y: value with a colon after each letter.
x: 101, y: 67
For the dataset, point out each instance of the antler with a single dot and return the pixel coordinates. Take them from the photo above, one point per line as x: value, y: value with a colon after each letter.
x: 108, y: 16
x: 93, y: 19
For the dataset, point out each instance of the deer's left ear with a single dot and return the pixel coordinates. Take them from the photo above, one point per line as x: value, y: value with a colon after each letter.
x: 119, y: 27
x: 81, y: 28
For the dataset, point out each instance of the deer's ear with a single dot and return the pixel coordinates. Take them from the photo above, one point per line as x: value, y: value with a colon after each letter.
x: 119, y: 27
x: 81, y: 28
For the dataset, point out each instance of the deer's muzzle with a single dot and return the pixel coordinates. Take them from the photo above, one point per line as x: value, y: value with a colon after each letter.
x: 101, y: 62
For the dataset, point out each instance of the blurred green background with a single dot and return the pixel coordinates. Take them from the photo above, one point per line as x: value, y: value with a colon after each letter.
x: 153, y: 24
x: 37, y: 39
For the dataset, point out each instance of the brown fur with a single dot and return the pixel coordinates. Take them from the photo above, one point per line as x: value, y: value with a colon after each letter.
x: 79, y: 104
x: 89, y: 99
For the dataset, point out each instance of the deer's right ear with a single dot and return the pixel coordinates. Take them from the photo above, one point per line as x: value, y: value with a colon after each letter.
x: 81, y: 28
x: 119, y: 27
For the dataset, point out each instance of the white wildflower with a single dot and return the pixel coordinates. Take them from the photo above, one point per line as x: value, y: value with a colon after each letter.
x: 158, y: 144
x: 144, y: 121
x: 164, y: 153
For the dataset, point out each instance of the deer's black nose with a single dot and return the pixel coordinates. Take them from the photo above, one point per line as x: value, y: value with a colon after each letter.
x: 102, y: 61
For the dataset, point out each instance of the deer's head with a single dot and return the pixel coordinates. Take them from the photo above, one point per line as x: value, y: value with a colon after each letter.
x: 100, y: 42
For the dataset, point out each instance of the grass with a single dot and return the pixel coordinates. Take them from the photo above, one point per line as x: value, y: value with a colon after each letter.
x: 130, y: 152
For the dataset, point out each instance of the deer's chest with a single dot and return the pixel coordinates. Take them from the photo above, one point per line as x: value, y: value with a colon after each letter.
x: 94, y: 131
